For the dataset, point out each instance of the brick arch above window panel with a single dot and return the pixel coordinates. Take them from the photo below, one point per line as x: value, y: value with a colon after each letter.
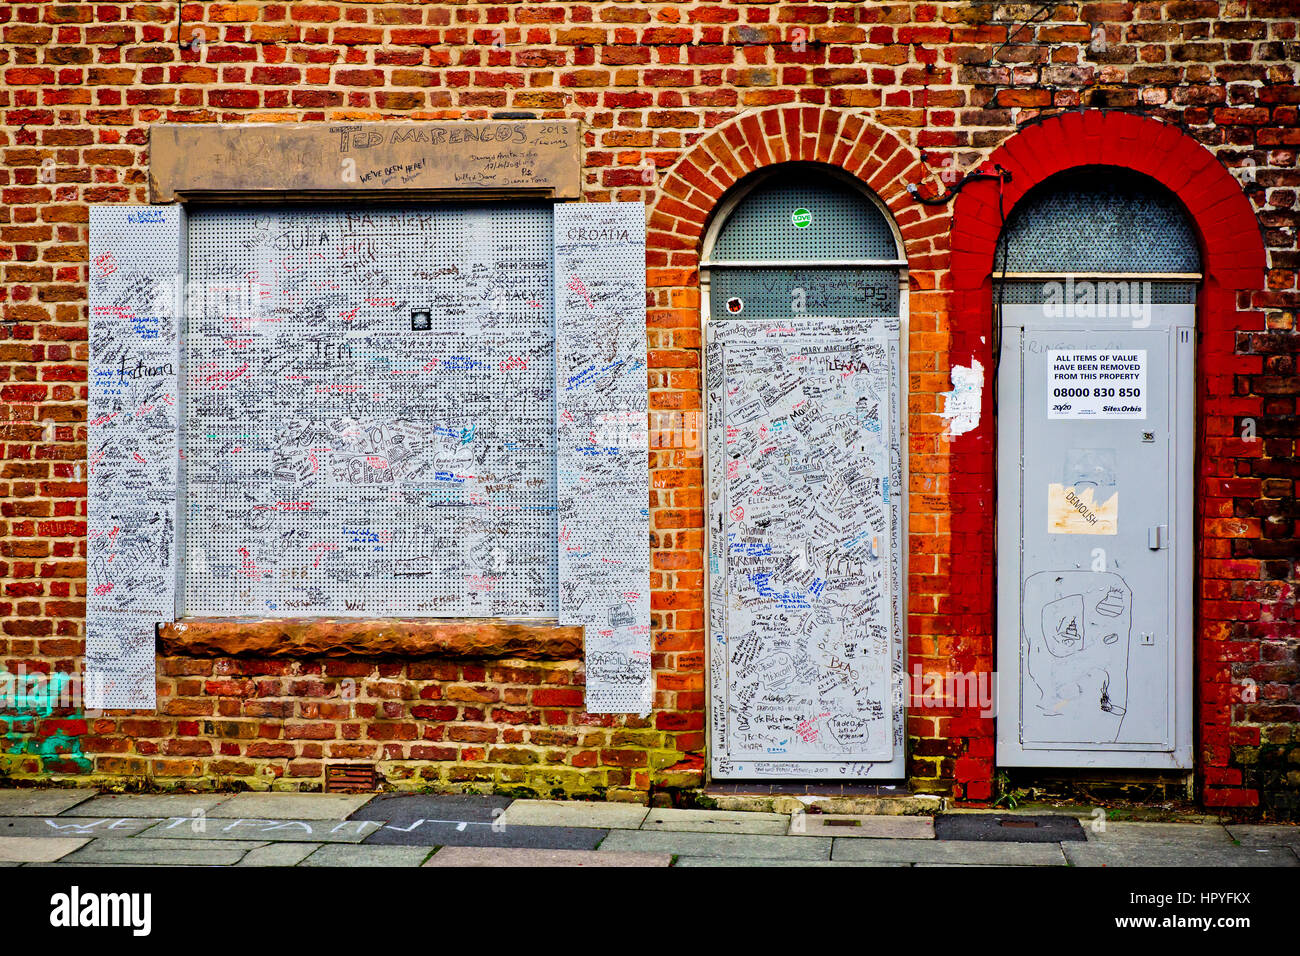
x: 692, y: 190
x: 1231, y: 246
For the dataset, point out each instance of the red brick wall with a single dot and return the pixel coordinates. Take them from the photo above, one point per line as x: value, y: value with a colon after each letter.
x: 652, y: 83
x: 419, y: 723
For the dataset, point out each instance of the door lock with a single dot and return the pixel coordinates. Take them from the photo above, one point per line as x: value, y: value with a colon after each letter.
x: 1158, y: 537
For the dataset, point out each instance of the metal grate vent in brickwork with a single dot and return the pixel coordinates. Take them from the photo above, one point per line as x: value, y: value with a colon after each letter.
x: 1100, y: 219
x: 803, y: 214
x: 351, y: 778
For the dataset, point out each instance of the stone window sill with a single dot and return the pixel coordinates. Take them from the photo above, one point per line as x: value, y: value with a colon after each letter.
x: 446, y: 638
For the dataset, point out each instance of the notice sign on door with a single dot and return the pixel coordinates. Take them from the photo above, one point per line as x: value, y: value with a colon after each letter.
x: 1107, y: 384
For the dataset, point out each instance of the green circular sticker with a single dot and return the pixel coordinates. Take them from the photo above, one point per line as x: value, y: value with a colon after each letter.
x: 801, y: 218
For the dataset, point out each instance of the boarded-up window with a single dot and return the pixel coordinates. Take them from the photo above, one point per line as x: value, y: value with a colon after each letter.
x: 377, y: 411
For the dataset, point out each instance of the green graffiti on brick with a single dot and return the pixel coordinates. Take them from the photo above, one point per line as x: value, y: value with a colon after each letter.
x: 27, y: 706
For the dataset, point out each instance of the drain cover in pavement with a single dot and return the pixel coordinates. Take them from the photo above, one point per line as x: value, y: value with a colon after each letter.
x: 1004, y: 828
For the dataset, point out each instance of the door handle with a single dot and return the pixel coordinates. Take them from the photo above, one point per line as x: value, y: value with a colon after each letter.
x: 1158, y: 537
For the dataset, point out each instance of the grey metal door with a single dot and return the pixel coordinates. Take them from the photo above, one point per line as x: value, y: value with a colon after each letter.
x: 1094, y: 542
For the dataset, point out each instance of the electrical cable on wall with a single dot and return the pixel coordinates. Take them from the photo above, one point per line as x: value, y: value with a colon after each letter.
x: 1004, y: 241
x: 1002, y: 176
x: 914, y: 189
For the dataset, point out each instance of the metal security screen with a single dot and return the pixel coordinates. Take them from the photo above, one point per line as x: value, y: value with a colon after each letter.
x: 808, y: 291
x: 805, y: 215
x: 369, y: 412
x: 806, y: 285
x: 802, y: 588
x: 1098, y: 293
x: 603, y: 449
x: 135, y: 256
x: 1100, y: 220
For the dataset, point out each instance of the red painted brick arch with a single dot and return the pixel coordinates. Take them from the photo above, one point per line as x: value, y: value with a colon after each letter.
x: 1232, y: 249
x: 1233, y: 262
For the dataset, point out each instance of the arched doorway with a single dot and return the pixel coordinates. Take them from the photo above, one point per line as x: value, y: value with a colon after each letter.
x: 1096, y: 281
x: 804, y: 284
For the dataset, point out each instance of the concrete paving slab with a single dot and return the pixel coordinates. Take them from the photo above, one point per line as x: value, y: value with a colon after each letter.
x: 335, y: 855
x: 1008, y: 827
x: 738, y: 845
x: 862, y: 825
x: 949, y: 853
x: 1174, y: 855
x: 715, y: 821
x: 496, y: 856
x: 180, y: 858
x: 85, y: 866
x: 1172, y: 834
x: 406, y: 808
x: 478, y: 833
x: 896, y: 803
x: 575, y: 813
x: 264, y: 830
x: 1265, y: 834
x: 714, y: 861
x: 119, y: 805
x: 38, y: 849
x: 291, y: 806
x: 41, y: 803
x: 71, y: 826
x: 133, y: 851
x: 279, y: 854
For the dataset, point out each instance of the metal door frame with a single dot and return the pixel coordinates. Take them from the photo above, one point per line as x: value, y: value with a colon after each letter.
x: 1179, y: 322
x: 896, y: 768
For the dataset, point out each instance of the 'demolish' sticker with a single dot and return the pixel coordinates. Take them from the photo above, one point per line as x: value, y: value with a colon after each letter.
x: 1077, y: 511
x: 1087, y: 500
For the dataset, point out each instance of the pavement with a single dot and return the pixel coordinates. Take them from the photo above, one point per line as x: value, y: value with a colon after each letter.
x: 82, y: 827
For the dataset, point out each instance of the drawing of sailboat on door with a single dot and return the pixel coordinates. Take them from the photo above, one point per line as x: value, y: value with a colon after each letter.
x: 1075, y: 632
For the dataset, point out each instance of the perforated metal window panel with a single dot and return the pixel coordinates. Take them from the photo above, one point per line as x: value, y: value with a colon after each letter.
x: 1100, y: 220
x: 602, y: 470
x: 783, y: 293
x: 135, y: 257
x: 369, y: 415
x: 841, y: 223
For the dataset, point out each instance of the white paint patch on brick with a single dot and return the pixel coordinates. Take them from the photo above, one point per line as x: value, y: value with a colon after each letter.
x: 961, y: 406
